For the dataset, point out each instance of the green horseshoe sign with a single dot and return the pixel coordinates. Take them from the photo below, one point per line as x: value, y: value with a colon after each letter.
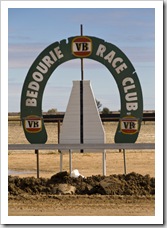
x: 82, y: 47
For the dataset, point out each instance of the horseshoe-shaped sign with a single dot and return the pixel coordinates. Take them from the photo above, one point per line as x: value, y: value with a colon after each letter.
x: 82, y: 47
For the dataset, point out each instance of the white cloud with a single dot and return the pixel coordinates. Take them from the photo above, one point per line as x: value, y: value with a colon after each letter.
x: 23, y: 55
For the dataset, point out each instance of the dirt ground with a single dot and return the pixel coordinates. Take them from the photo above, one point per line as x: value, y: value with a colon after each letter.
x: 81, y: 205
x: 23, y: 164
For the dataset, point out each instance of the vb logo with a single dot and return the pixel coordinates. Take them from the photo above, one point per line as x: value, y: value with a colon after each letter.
x: 33, y: 124
x: 129, y: 125
x: 82, y: 46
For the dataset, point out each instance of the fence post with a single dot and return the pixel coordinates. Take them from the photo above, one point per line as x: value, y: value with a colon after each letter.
x: 37, y: 153
x: 124, y: 161
x: 61, y: 161
x: 104, y: 162
x: 70, y: 161
x: 58, y: 130
x: 58, y: 139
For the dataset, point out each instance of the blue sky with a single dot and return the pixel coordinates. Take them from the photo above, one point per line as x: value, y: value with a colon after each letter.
x: 31, y: 30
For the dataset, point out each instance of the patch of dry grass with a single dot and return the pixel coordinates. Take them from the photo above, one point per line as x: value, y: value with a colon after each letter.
x: 142, y: 162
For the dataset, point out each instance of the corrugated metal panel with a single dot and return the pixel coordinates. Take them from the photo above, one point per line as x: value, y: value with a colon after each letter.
x: 70, y: 130
x: 93, y: 128
x: 93, y: 131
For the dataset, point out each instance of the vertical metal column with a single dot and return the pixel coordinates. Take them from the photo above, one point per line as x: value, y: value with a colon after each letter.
x: 104, y: 162
x: 61, y: 161
x: 82, y: 75
x: 61, y: 154
x: 124, y: 155
x: 81, y: 116
x: 70, y: 161
x: 58, y: 130
x: 81, y: 100
x: 37, y: 153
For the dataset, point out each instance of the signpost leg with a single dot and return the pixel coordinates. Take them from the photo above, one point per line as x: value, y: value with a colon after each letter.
x: 61, y: 154
x: 37, y: 153
x: 124, y: 161
x: 70, y: 161
x: 58, y: 130
x: 104, y: 162
x: 61, y: 161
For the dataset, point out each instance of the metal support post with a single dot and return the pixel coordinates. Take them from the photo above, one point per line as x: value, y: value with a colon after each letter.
x: 81, y: 100
x: 61, y: 154
x: 61, y: 161
x: 58, y: 130
x: 104, y: 162
x: 82, y: 74
x: 70, y: 161
x: 124, y: 155
x: 37, y: 153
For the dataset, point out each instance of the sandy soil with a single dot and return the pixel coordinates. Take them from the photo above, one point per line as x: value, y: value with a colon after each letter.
x: 81, y: 205
x: 88, y: 164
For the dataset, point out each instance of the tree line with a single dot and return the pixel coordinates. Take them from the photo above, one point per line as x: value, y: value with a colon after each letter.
x: 105, y: 110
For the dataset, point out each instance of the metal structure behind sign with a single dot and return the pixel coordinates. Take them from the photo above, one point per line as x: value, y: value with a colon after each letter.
x: 88, y: 128
x: 82, y: 47
x: 70, y: 147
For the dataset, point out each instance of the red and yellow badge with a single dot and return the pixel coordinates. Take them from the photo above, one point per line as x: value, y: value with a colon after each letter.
x: 129, y: 125
x: 81, y: 46
x: 33, y: 124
